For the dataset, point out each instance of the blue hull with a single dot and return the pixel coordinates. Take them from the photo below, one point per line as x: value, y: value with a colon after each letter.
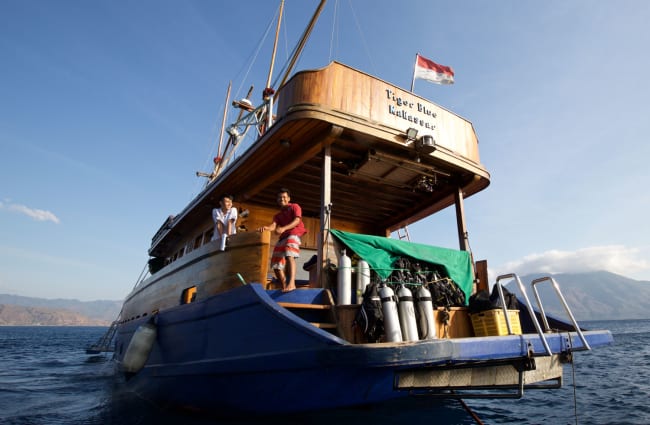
x: 239, y: 351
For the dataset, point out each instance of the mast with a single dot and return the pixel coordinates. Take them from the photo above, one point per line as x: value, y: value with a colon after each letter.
x: 268, y: 91
x: 303, y: 41
x: 218, y: 166
x: 223, y: 121
x: 275, y: 49
x: 217, y: 159
x: 461, y: 225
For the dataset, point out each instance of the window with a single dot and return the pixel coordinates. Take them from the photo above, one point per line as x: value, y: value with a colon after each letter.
x: 198, y: 241
x: 188, y: 295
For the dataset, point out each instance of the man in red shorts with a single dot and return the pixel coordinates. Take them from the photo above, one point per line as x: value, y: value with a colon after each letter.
x: 288, y: 224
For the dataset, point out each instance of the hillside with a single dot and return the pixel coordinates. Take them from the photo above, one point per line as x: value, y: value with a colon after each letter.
x: 592, y: 296
x: 15, y: 315
x: 18, y: 310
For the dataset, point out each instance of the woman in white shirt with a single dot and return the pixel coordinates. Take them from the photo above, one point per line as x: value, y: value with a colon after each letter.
x: 225, y: 219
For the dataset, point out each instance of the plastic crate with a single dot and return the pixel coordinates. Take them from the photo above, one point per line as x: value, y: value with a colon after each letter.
x: 493, y: 322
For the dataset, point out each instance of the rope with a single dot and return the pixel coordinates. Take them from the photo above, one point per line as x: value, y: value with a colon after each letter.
x: 470, y: 411
x: 213, y: 140
x: 327, y: 228
x: 143, y: 274
x: 334, y: 30
x: 363, y: 40
x: 573, y: 375
x: 257, y: 51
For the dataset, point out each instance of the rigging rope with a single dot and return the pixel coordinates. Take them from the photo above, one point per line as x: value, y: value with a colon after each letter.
x: 327, y: 227
x: 250, y: 61
x: 257, y: 51
x: 334, y: 29
x: 143, y: 274
x: 363, y: 40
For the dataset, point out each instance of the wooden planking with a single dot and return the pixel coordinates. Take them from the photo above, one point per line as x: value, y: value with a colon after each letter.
x: 459, y: 324
x: 262, y: 216
x: 249, y: 256
x: 305, y: 306
x: 210, y: 270
x: 324, y: 325
x: 349, y: 91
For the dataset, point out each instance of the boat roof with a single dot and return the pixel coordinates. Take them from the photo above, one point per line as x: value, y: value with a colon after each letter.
x: 381, y: 177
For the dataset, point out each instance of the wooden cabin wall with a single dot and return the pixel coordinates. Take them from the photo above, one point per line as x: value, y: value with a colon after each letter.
x: 376, y: 100
x: 257, y: 217
x: 262, y: 216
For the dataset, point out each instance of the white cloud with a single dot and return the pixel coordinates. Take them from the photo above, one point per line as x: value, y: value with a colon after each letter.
x: 36, y: 214
x: 618, y: 259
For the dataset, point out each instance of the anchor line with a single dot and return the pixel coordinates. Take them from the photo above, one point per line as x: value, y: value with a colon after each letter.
x: 471, y: 412
x: 573, y: 376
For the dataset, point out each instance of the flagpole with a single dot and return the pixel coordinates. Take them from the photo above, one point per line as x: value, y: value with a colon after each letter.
x: 414, y: 67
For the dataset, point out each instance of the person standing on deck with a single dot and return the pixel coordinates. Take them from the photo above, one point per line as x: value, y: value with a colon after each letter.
x: 288, y: 224
x: 225, y: 219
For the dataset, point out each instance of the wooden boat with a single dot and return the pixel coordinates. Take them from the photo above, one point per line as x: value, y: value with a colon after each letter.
x: 210, y: 329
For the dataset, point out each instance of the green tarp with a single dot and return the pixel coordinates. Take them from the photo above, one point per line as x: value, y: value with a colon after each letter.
x: 381, y: 253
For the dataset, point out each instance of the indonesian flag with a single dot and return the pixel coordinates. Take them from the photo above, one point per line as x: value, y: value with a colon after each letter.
x: 426, y: 69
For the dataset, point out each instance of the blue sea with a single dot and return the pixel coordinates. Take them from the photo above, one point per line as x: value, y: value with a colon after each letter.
x: 46, y: 378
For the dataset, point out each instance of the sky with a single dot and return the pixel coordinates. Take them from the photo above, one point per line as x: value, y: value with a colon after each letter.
x: 108, y: 109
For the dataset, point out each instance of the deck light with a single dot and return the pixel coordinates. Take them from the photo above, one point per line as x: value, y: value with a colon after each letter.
x: 411, y: 134
x: 426, y: 144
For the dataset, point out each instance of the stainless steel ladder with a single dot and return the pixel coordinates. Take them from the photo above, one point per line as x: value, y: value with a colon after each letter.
x: 528, y: 306
x: 556, y: 287
x: 103, y: 344
x: 531, y: 312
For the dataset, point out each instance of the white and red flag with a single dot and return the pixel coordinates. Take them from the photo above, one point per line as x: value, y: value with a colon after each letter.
x: 426, y: 69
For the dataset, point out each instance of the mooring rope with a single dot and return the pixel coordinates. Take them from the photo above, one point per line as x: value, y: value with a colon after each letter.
x: 573, y: 375
x: 470, y: 411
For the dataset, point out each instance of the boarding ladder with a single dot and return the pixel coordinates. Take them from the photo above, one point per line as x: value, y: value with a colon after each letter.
x: 556, y: 287
x: 103, y: 344
x: 533, y: 316
x: 529, y: 364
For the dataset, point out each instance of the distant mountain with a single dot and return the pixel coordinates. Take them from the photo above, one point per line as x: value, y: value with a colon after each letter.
x: 18, y: 315
x: 71, y: 312
x: 591, y: 296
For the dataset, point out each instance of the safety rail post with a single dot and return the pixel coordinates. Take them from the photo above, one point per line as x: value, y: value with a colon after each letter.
x: 556, y: 287
x: 528, y: 306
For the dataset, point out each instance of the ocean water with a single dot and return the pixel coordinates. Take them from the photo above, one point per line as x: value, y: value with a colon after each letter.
x: 46, y: 378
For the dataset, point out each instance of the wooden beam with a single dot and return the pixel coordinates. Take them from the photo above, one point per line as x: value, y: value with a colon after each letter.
x: 460, y: 220
x: 305, y: 306
x: 325, y: 212
x: 482, y: 283
x: 297, y: 159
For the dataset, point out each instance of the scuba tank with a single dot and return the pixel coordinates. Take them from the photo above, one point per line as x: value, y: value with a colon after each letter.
x: 344, y: 287
x: 391, y: 318
x: 425, y: 310
x: 363, y: 279
x: 407, y: 314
